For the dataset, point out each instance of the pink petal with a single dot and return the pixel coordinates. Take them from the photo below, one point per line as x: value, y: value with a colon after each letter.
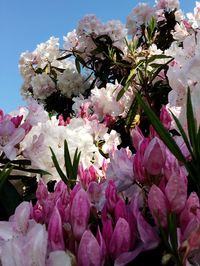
x: 89, y: 253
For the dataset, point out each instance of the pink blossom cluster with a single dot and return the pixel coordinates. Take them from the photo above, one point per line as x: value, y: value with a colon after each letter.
x: 132, y: 195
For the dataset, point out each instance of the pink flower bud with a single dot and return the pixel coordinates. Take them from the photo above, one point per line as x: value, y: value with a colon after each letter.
x: 138, y: 169
x: 120, y: 241
x: 87, y: 175
x: 42, y: 191
x: 157, y: 203
x: 165, y: 117
x: 147, y: 233
x: 111, y: 196
x: 80, y: 211
x: 190, y: 211
x: 137, y: 137
x: 120, y: 210
x: 102, y: 245
x: 107, y: 231
x: 154, y: 156
x: 55, y: 231
x: 96, y: 195
x: 89, y: 253
x: 176, y: 192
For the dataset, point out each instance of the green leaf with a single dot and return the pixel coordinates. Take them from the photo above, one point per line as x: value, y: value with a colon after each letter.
x: 198, y: 145
x: 132, y: 72
x: 191, y: 122
x: 152, y: 25
x: 172, y: 230
x: 123, y: 90
x: 64, y: 57
x: 76, y: 163
x: 157, y: 56
x: 68, y: 163
x: 4, y: 174
x: 162, y: 131
x: 131, y: 113
x: 78, y: 65
x: 57, y: 166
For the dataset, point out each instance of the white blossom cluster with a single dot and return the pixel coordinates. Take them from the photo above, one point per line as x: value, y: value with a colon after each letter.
x: 184, y: 73
x: 70, y: 83
x: 79, y: 134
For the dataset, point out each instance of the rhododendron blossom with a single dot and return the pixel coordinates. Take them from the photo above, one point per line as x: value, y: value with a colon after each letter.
x: 101, y: 167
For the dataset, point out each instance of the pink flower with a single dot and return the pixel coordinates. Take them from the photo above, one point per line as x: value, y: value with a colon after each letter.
x: 55, y: 231
x: 165, y: 117
x: 96, y: 195
x: 10, y: 136
x: 80, y: 211
x: 154, y: 156
x: 138, y: 167
x: 89, y: 252
x: 22, y: 236
x: 111, y: 196
x: 122, y: 173
x: 176, y: 192
x: 107, y: 231
x: 87, y: 175
x: 190, y: 211
x: 120, y: 240
x: 157, y: 203
x: 136, y: 137
x: 120, y: 210
x: 42, y: 191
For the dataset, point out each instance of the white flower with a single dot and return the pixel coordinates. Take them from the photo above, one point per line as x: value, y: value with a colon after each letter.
x: 141, y: 14
x: 180, y: 32
x: 194, y: 19
x: 42, y: 86
x: 184, y: 73
x: 70, y: 82
x: 104, y: 100
x: 47, y: 52
x: 71, y: 40
x: 36, y: 145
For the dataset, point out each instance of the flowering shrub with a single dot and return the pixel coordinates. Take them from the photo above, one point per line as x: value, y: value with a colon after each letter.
x: 102, y: 166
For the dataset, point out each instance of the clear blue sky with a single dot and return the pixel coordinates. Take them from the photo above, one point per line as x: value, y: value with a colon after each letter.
x: 24, y: 24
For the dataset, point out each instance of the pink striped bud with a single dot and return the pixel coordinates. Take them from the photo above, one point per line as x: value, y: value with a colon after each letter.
x: 157, y: 203
x: 80, y: 211
x: 154, y: 156
x: 176, y: 192
x: 55, y: 231
x: 165, y: 117
x: 89, y: 252
x: 120, y: 241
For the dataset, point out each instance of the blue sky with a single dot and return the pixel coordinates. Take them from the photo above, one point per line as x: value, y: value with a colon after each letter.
x: 24, y: 24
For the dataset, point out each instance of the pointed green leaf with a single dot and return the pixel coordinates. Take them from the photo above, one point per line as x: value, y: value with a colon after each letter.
x: 191, y: 122
x: 132, y: 113
x: 122, y: 91
x: 68, y: 162
x: 157, y: 56
x: 76, y: 163
x: 57, y: 166
x: 78, y: 65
